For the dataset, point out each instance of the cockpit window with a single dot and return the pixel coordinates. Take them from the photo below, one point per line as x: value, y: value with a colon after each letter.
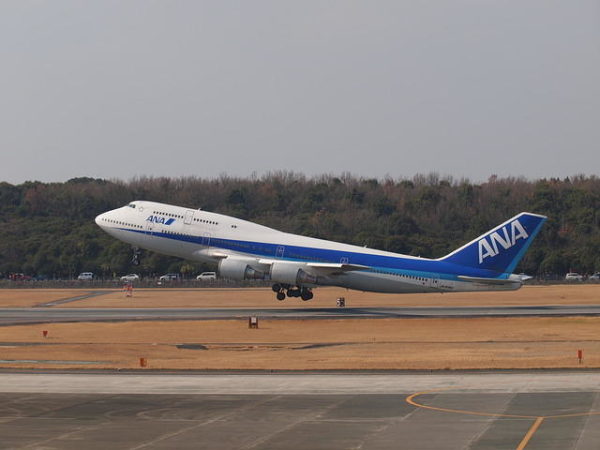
x: 132, y: 205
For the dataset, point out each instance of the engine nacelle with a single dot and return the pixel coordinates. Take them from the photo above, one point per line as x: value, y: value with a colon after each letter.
x: 239, y: 269
x: 292, y: 274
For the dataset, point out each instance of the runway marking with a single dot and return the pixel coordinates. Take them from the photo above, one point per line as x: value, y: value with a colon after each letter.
x: 410, y: 401
x: 242, y: 409
x: 530, y: 433
x: 538, y: 419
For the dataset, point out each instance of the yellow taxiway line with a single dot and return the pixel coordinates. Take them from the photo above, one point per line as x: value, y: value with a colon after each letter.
x: 532, y: 430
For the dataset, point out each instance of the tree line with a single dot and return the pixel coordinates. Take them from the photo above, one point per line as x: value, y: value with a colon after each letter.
x: 48, y: 229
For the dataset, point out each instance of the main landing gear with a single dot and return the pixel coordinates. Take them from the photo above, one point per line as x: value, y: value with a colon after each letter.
x: 283, y: 290
x: 135, y: 258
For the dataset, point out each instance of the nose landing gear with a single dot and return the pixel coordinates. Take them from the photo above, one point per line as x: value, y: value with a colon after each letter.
x: 136, y: 257
x: 283, y: 290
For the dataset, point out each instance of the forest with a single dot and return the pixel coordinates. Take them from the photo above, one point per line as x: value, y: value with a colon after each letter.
x: 47, y: 230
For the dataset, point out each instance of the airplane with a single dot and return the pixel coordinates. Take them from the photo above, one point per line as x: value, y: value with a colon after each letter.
x: 296, y: 264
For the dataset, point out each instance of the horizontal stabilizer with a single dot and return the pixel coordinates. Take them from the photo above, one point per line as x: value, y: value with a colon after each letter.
x: 492, y: 281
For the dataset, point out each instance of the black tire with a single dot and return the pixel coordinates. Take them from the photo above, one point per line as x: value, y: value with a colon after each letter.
x: 276, y: 287
x: 306, y: 295
x: 280, y: 296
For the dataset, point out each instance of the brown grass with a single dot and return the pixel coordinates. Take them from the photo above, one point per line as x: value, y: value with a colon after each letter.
x: 314, y: 344
x: 25, y: 298
x: 324, y: 297
x: 310, y: 344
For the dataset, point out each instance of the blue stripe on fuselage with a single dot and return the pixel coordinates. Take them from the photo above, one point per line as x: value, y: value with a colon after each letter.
x: 415, y: 267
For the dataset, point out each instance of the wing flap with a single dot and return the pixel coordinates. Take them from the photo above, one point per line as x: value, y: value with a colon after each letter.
x: 322, y: 268
x: 343, y: 267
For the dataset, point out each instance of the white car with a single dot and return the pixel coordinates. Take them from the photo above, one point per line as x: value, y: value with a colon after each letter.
x: 169, y: 277
x: 572, y: 276
x: 207, y: 276
x: 86, y: 276
x: 130, y: 277
x: 595, y: 277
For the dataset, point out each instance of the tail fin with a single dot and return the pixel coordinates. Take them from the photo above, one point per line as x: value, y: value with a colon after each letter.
x: 500, y: 249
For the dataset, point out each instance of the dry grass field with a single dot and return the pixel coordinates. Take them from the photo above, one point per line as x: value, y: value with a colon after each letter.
x: 311, y: 344
x: 324, y: 297
x: 26, y: 298
x: 427, y: 344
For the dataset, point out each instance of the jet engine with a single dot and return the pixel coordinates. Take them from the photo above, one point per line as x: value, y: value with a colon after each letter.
x: 292, y: 274
x: 239, y: 269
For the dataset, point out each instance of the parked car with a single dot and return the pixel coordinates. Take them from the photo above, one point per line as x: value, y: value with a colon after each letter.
x: 169, y: 277
x: 41, y: 277
x: 595, y: 277
x: 572, y: 276
x: 207, y: 276
x: 130, y: 277
x: 86, y: 276
x: 19, y: 277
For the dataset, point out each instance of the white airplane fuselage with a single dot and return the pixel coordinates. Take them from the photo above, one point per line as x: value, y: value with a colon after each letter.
x: 246, y: 250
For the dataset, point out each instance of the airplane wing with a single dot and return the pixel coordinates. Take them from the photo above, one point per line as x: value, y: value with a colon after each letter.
x: 336, y: 269
x: 323, y: 268
x: 218, y: 255
x: 317, y: 268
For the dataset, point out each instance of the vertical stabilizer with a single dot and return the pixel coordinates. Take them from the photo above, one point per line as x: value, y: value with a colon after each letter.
x: 500, y: 249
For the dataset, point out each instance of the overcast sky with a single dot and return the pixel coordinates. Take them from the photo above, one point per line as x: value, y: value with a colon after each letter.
x: 115, y: 89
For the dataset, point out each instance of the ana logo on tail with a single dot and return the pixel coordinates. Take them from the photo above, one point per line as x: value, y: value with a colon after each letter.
x: 488, y: 246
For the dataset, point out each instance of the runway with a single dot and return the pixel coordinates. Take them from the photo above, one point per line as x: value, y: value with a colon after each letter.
x: 300, y: 411
x: 532, y: 410
x: 11, y: 316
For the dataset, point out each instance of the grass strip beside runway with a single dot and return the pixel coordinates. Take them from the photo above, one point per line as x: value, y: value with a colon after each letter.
x: 354, y: 344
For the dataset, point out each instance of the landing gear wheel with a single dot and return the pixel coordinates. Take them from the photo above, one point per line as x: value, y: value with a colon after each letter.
x: 280, y: 296
x: 295, y: 292
x: 276, y: 287
x: 306, y: 294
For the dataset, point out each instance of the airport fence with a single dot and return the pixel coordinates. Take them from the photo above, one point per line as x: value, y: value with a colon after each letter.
x: 117, y: 284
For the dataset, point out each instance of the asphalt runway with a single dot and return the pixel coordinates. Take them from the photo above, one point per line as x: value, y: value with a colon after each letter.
x: 301, y: 411
x: 10, y: 316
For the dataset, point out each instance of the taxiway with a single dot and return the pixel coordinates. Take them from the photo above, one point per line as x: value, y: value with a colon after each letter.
x: 299, y: 411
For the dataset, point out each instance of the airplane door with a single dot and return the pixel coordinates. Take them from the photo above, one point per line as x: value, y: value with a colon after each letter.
x: 149, y: 228
x: 206, y: 240
x: 280, y: 251
x: 189, y: 216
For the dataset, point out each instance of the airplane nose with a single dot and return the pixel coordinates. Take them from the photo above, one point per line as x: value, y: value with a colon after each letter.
x: 99, y: 220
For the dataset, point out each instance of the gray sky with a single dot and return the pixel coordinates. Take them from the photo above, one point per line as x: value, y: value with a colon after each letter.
x: 116, y: 89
